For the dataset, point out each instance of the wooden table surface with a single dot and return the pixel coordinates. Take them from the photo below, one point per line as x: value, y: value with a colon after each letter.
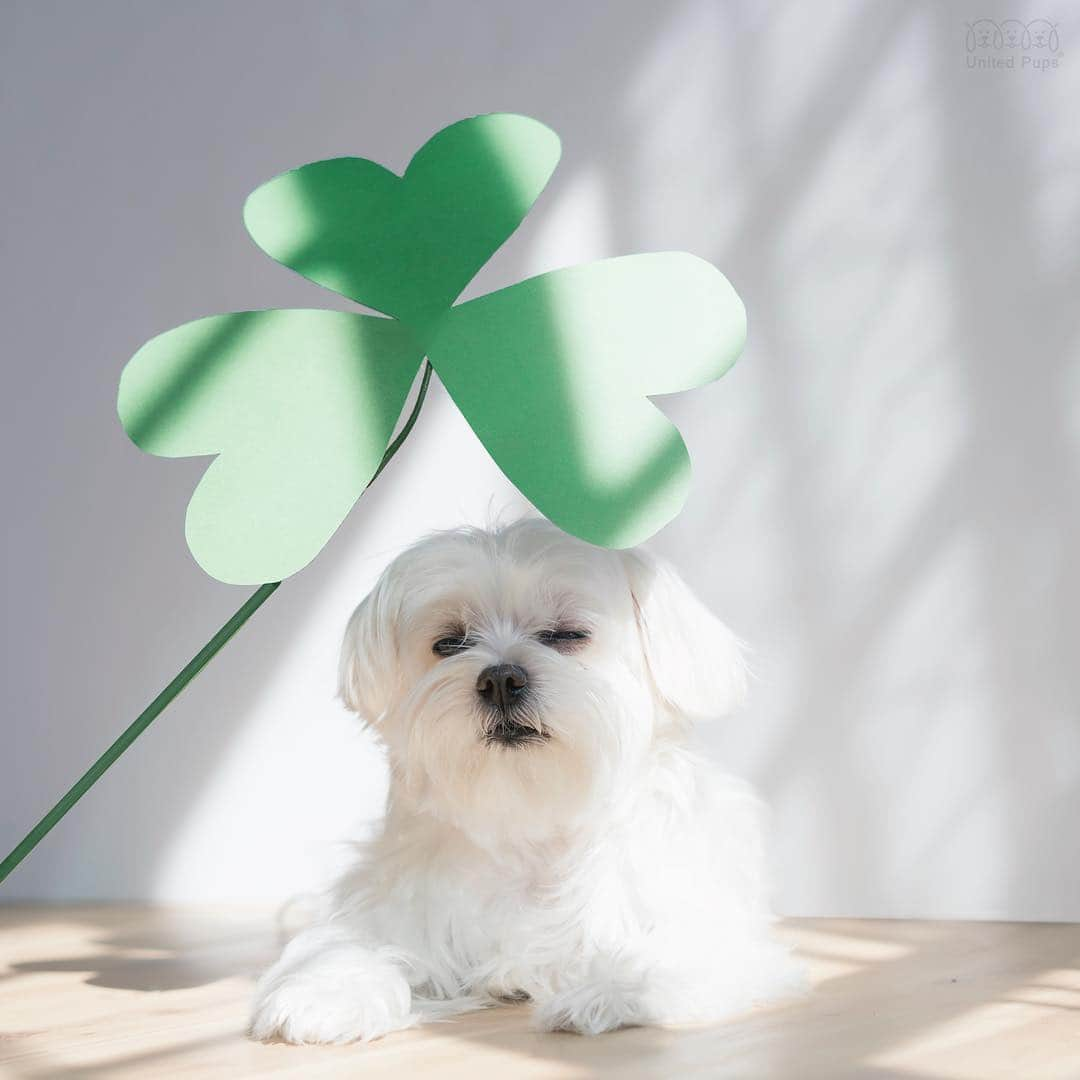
x: 160, y: 992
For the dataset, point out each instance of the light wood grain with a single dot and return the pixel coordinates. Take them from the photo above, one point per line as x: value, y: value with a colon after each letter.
x: 134, y: 992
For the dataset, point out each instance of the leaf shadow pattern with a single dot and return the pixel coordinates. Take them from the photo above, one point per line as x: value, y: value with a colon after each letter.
x: 189, y: 952
x: 883, y: 989
x: 985, y: 382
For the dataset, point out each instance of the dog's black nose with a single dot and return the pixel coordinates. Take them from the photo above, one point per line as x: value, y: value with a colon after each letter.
x: 502, y: 684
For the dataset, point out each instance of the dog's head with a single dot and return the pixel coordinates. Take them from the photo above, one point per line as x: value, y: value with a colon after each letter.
x: 519, y: 676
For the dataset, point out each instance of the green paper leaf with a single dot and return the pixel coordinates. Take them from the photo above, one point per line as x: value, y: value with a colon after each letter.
x: 300, y: 405
x: 553, y: 375
x: 407, y: 245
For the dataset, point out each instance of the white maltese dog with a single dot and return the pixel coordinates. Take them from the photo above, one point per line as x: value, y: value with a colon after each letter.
x: 549, y: 836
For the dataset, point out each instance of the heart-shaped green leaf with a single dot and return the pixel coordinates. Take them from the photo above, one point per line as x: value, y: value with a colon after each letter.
x: 300, y: 406
x: 407, y: 245
x: 553, y: 375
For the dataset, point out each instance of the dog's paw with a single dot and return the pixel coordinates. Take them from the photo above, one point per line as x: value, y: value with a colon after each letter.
x: 332, y: 1003
x: 591, y: 1009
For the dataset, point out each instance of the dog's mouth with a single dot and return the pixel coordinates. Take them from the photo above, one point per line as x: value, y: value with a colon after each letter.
x: 506, y: 730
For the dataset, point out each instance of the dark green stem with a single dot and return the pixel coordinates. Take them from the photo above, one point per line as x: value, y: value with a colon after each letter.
x: 410, y: 422
x: 136, y: 728
x: 197, y: 663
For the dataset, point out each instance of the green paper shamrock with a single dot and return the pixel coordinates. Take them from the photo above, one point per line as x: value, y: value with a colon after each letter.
x: 553, y: 374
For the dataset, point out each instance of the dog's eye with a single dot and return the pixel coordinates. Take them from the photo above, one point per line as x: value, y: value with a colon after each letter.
x: 451, y: 646
x: 563, y: 638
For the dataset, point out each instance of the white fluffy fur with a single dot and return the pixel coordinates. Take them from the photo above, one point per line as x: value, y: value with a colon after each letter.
x: 607, y: 873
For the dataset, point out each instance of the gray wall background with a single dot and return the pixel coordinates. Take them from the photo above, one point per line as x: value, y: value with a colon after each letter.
x: 885, y: 496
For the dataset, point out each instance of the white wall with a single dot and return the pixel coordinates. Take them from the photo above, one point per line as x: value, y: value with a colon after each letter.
x: 885, y: 497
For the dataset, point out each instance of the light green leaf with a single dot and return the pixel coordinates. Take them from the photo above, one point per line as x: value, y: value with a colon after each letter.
x: 407, y: 245
x: 553, y: 375
x: 299, y: 405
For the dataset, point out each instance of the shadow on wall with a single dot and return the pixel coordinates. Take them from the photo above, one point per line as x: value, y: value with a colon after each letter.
x: 915, y: 382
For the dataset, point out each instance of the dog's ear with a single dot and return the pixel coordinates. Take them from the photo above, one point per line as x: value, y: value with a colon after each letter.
x: 696, y: 662
x: 369, y: 672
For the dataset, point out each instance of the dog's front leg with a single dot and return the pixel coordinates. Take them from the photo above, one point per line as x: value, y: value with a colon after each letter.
x: 625, y: 989
x: 330, y: 987
x: 612, y: 992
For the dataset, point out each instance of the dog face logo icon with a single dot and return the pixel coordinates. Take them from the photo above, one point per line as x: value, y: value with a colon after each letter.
x: 986, y: 35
